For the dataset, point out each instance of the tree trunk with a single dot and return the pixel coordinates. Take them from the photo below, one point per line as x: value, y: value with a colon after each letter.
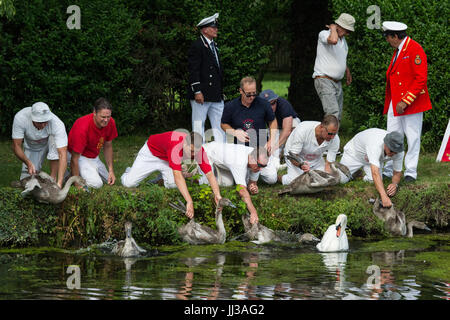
x: 308, y: 18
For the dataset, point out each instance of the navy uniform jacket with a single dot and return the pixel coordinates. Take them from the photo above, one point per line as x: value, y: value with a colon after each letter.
x: 204, y: 73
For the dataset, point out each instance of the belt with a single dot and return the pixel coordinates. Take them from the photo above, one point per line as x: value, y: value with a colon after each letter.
x: 327, y: 77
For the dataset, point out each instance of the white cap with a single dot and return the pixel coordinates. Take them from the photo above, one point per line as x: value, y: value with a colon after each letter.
x: 210, y: 21
x: 393, y: 26
x: 40, y: 112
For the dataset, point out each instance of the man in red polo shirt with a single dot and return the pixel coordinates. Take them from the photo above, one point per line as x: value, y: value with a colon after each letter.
x: 165, y: 152
x: 90, y: 134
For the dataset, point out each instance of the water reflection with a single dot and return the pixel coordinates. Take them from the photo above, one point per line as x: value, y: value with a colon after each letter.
x: 249, y: 273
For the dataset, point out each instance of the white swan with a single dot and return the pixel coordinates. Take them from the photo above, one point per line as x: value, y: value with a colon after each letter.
x: 335, y: 238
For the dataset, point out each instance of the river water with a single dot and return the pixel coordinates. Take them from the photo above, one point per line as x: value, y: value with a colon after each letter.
x: 393, y: 269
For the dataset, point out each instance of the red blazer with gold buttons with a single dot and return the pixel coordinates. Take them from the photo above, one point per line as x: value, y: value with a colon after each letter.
x: 407, y: 80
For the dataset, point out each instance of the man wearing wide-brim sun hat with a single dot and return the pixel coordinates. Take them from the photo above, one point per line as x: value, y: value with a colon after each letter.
x: 205, y: 90
x: 331, y: 64
x: 406, y: 96
x: 42, y: 134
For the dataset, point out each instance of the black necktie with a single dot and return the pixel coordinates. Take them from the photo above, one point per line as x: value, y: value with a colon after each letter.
x: 213, y: 49
x: 396, y: 55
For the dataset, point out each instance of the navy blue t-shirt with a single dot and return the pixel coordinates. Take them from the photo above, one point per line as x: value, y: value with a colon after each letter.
x: 284, y: 110
x: 251, y: 119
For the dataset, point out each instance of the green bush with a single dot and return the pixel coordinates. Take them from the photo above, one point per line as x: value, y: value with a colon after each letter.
x: 88, y: 218
x: 370, y: 54
x: 42, y: 60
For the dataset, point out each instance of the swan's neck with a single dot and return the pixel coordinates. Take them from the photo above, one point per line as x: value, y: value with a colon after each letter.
x: 219, y: 222
x: 65, y: 190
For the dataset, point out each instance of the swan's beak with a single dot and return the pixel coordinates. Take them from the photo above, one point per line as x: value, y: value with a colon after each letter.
x: 232, y: 205
x: 426, y: 228
x: 338, y: 230
x: 86, y: 189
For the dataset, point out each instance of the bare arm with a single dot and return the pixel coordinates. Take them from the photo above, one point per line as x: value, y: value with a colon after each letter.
x: 214, y: 186
x: 333, y: 37
x: 109, y: 157
x: 286, y: 131
x: 245, y: 196
x: 273, y: 127
x: 240, y: 134
x: 378, y: 181
x: 393, y: 187
x: 18, y: 151
x: 62, y: 164
x: 182, y: 187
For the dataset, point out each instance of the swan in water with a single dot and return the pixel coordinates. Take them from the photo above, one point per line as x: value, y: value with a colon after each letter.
x: 44, y: 188
x: 395, y: 221
x: 128, y: 248
x: 315, y: 181
x: 335, y: 238
x: 195, y: 233
x: 259, y: 234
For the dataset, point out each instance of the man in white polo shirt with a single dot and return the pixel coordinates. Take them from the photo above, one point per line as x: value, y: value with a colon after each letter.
x: 235, y: 163
x: 331, y: 64
x: 42, y: 134
x: 370, y: 149
x: 309, y: 140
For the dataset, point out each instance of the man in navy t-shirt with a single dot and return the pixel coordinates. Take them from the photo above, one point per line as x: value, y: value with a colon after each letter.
x: 287, y: 119
x: 245, y: 118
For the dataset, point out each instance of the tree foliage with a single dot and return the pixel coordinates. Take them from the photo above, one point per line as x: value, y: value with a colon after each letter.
x: 370, y: 54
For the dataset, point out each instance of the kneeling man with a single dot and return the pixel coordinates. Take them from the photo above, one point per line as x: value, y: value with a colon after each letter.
x: 165, y: 152
x: 90, y: 134
x: 309, y: 140
x: 236, y: 164
x: 370, y: 149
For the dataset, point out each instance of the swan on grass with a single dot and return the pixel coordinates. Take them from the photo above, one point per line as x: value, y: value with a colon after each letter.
x: 44, y: 188
x: 335, y: 238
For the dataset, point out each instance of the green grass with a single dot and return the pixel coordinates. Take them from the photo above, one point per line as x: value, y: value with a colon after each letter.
x: 278, y: 82
x: 127, y: 147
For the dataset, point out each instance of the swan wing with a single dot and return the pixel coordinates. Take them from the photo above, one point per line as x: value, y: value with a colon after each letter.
x: 30, y: 185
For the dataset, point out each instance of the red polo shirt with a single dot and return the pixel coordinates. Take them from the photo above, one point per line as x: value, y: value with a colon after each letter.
x: 87, y: 139
x: 168, y: 146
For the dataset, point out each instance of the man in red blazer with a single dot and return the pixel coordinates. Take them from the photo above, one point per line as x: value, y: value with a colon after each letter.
x: 406, y: 93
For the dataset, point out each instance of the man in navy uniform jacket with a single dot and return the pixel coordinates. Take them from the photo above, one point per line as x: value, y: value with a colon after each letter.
x: 206, y: 80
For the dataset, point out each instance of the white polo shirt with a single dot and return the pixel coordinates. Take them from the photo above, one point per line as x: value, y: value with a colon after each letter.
x: 331, y: 60
x: 229, y: 156
x: 303, y: 141
x: 368, y: 148
x: 35, y: 139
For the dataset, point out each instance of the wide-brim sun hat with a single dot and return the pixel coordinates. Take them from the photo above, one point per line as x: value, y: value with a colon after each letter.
x: 40, y: 112
x: 346, y: 21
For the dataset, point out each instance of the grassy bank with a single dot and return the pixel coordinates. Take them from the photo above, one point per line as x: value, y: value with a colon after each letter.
x: 86, y: 218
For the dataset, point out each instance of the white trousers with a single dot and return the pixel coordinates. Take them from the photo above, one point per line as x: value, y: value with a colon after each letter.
x: 92, y: 170
x: 294, y: 171
x: 37, y: 156
x: 267, y: 174
x: 144, y: 164
x: 354, y: 165
x: 214, y: 112
x: 410, y: 126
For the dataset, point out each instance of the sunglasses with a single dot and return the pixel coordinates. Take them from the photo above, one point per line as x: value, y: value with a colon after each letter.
x: 261, y: 165
x: 331, y: 133
x: 249, y: 95
x: 273, y: 102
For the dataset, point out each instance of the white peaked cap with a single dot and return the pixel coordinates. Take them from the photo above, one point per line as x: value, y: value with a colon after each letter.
x: 393, y: 26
